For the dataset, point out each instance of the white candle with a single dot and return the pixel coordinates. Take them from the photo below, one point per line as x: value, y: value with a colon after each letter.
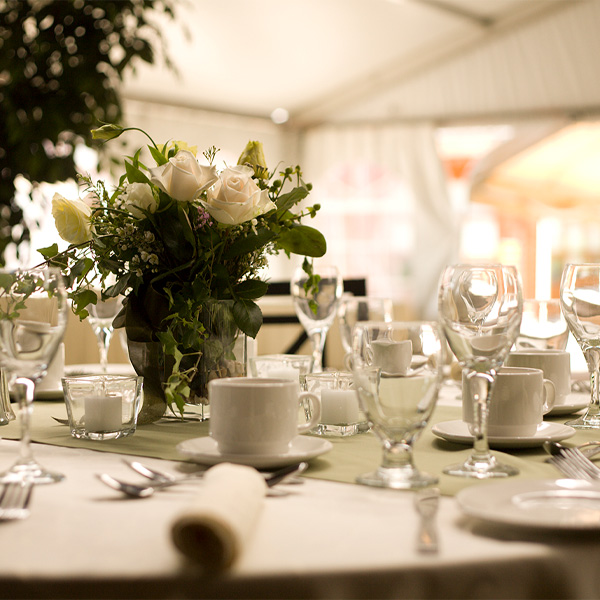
x: 339, y: 407
x: 103, y: 413
x: 289, y: 373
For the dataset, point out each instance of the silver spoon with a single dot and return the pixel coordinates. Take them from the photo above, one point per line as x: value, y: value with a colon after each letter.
x: 145, y: 491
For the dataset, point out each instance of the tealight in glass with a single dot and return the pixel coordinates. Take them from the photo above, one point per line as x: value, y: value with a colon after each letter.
x: 102, y: 407
x: 340, y: 410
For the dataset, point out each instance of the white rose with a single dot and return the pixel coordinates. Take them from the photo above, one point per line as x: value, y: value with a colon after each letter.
x: 236, y: 198
x: 182, y: 177
x: 139, y: 195
x: 72, y: 219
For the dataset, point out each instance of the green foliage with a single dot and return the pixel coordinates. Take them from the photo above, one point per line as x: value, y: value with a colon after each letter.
x: 60, y: 65
x: 191, y: 280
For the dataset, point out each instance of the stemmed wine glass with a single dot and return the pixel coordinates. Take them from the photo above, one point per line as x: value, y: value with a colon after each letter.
x: 101, y: 316
x: 357, y: 309
x: 33, y: 318
x: 316, y: 308
x: 397, y: 370
x: 580, y: 303
x: 480, y: 310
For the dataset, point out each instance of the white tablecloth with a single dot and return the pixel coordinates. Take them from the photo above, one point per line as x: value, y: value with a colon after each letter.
x: 323, y: 539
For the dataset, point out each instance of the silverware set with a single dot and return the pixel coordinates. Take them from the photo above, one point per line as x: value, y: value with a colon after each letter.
x: 160, y: 480
x: 574, y: 462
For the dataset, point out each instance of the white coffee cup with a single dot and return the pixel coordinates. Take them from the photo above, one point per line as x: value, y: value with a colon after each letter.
x: 56, y: 370
x: 392, y: 357
x: 258, y: 415
x: 520, y: 399
x: 556, y: 365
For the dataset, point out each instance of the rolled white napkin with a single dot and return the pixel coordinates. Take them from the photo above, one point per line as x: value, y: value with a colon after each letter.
x: 215, y: 530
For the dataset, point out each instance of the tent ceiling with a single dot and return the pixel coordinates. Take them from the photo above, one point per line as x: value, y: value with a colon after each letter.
x: 353, y: 60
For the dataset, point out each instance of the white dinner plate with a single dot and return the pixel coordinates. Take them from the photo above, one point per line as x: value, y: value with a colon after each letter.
x: 458, y: 431
x: 548, y: 504
x: 204, y: 451
x: 574, y: 403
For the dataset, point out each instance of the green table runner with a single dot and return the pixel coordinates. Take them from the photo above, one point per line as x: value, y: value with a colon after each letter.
x: 349, y: 457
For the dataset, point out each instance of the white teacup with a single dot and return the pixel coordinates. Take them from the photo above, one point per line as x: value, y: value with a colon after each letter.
x: 520, y: 399
x: 556, y: 365
x: 392, y: 357
x: 258, y: 415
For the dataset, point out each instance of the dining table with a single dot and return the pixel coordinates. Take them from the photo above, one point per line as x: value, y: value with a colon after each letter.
x: 327, y: 537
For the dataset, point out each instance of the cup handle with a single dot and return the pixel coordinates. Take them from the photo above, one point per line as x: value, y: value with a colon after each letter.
x: 314, y: 412
x: 549, y: 396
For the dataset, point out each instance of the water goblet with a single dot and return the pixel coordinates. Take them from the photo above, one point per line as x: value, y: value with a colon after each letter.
x: 316, y: 306
x: 101, y: 317
x: 357, y: 309
x: 543, y: 326
x: 33, y: 318
x: 397, y: 370
x: 580, y: 303
x: 480, y: 309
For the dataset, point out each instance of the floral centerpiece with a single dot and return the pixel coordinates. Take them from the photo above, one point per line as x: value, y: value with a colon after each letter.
x: 185, y: 244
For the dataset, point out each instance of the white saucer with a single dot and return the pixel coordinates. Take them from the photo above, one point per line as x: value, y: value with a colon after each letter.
x: 458, y: 431
x: 569, y: 504
x: 575, y: 402
x: 204, y: 451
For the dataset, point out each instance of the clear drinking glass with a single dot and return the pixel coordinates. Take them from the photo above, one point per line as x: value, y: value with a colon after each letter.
x: 580, y: 303
x: 480, y: 309
x: 397, y: 369
x: 357, y: 309
x: 543, y: 326
x: 101, y: 317
x: 33, y: 318
x: 316, y: 309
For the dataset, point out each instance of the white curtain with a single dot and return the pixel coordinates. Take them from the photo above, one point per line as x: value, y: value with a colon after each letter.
x: 407, y: 151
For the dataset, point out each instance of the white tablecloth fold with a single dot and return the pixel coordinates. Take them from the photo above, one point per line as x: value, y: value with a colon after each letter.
x: 215, y: 530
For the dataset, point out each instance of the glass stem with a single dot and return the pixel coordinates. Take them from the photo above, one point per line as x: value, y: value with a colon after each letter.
x: 481, y: 385
x: 396, y: 455
x: 592, y: 357
x: 25, y: 409
x: 317, y: 339
x: 103, y: 335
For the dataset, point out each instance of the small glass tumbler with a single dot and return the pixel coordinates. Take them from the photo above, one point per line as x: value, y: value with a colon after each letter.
x: 282, y: 366
x: 340, y: 410
x: 102, y: 407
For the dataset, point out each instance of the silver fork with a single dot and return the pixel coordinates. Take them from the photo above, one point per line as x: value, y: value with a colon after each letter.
x: 574, y: 464
x: 14, y: 500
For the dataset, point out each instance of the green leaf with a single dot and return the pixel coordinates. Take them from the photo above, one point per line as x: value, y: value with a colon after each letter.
x: 82, y: 267
x: 286, y: 201
x: 81, y: 299
x: 49, y: 251
x: 158, y: 156
x: 119, y: 287
x: 251, y: 289
x: 303, y: 240
x: 134, y: 175
x: 248, y: 316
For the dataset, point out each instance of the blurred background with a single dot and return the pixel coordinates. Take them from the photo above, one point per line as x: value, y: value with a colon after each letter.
x: 432, y: 131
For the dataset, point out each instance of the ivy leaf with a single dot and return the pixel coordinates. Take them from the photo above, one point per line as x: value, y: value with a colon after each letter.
x: 248, y: 316
x: 49, y: 251
x: 81, y: 299
x: 303, y: 240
